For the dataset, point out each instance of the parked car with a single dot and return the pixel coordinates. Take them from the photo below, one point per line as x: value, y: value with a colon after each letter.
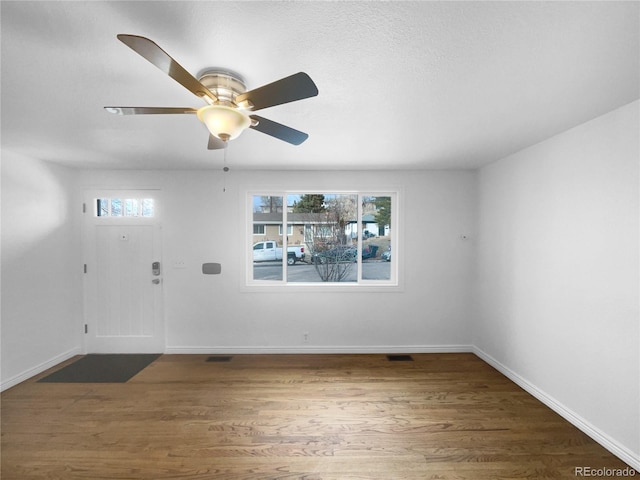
x: 386, y: 255
x: 369, y: 251
x: 342, y: 253
x: 269, y: 251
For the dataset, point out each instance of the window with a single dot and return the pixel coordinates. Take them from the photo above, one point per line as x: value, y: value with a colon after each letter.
x: 289, y: 230
x: 124, y: 207
x: 332, y: 238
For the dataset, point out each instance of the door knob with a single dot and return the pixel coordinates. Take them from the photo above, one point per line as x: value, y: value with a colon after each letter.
x: 155, y: 281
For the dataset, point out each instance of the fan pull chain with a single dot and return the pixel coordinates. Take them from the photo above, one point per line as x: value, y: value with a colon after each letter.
x: 225, y: 169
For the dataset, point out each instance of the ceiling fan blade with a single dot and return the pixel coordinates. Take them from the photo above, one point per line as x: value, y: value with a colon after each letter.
x: 149, y: 110
x: 161, y: 59
x: 277, y: 130
x: 215, y: 143
x: 285, y: 90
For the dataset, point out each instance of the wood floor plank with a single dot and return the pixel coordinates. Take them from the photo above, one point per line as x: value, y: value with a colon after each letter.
x: 313, y: 417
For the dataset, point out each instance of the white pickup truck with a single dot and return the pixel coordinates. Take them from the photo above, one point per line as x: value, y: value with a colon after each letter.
x: 269, y: 251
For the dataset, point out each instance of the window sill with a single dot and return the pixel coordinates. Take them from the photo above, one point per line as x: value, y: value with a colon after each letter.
x: 322, y: 288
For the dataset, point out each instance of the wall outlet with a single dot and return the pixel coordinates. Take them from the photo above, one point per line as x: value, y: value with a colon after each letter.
x: 305, y: 337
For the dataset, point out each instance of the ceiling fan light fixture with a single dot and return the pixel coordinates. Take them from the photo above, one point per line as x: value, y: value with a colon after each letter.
x: 227, y: 97
x: 225, y: 123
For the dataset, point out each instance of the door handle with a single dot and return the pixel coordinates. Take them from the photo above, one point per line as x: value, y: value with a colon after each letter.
x: 155, y: 281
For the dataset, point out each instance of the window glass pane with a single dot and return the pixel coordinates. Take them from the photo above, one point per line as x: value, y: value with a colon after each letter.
x: 267, y: 246
x: 102, y: 207
x: 147, y: 207
x: 131, y: 207
x: 322, y: 224
x: 331, y: 238
x: 375, y: 225
x: 116, y: 207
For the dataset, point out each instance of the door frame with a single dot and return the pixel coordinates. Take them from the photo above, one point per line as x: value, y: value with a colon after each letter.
x: 90, y: 222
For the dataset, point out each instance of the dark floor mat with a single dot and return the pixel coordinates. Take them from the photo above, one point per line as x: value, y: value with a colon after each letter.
x: 102, y: 368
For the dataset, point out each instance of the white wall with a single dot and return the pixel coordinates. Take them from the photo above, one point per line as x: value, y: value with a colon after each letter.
x: 558, y: 274
x: 201, y: 223
x: 41, y: 265
x: 552, y: 244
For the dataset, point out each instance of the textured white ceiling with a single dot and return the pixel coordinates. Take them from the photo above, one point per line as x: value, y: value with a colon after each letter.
x: 402, y: 84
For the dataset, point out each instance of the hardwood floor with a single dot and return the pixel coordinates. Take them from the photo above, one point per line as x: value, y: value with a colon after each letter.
x: 441, y: 416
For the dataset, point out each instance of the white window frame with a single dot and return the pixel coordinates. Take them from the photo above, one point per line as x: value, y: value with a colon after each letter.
x: 393, y: 284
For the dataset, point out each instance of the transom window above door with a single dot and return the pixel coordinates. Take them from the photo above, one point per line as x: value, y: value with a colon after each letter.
x: 124, y: 207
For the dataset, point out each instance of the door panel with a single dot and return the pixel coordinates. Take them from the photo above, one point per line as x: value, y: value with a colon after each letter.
x: 124, y: 288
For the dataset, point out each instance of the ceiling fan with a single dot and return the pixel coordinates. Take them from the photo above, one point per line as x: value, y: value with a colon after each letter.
x: 228, y: 108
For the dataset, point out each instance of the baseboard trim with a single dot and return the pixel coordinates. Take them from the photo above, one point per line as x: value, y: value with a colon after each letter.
x: 376, y: 349
x: 32, y: 372
x: 576, y: 420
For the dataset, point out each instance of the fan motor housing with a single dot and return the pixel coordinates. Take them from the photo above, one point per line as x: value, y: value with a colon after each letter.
x: 224, y: 84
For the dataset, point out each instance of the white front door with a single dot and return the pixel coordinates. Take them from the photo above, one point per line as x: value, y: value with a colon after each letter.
x: 123, y: 278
